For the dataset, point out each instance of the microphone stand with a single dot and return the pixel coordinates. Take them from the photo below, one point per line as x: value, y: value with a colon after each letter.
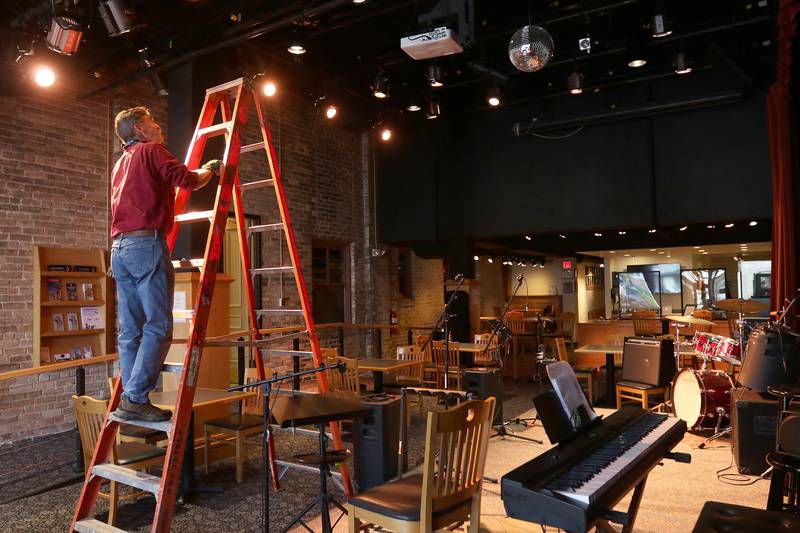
x: 499, y: 324
x: 445, y: 315
x: 266, y: 385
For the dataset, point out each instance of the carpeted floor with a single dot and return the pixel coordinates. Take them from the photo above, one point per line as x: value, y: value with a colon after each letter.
x: 672, y: 499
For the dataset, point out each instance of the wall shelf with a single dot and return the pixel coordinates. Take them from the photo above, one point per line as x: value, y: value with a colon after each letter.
x: 76, y: 333
x: 73, y: 303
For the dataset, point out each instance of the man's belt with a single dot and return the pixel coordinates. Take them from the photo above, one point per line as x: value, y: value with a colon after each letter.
x: 141, y: 233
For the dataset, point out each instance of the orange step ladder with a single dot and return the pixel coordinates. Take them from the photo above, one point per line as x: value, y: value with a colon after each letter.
x: 232, y: 100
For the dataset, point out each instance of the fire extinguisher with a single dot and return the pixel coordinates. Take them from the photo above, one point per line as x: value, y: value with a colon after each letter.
x: 393, y: 321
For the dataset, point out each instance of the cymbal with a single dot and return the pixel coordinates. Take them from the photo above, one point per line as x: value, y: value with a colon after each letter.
x: 689, y: 320
x: 746, y: 306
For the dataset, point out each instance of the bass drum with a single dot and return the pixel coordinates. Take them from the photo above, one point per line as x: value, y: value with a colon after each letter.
x: 696, y: 395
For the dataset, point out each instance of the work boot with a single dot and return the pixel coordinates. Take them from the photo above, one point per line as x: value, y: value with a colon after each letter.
x: 148, y: 412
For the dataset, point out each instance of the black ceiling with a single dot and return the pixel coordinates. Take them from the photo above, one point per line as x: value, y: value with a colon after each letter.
x: 348, y: 44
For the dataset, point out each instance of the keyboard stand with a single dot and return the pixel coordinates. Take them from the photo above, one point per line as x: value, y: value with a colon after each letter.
x: 627, y: 519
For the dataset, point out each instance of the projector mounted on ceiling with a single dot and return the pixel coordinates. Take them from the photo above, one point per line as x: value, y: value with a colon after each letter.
x: 437, y: 43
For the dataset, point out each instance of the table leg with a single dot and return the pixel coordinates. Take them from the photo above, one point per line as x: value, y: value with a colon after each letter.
x: 610, y: 379
x: 377, y: 380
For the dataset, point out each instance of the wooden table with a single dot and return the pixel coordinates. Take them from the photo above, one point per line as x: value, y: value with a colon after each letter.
x: 202, y: 398
x: 590, y: 352
x: 378, y: 366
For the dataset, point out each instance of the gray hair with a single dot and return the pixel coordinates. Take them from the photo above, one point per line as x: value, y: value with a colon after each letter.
x: 126, y: 119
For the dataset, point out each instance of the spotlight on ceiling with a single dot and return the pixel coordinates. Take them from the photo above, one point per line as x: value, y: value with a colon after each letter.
x: 493, y: 96
x: 413, y: 108
x: 753, y: 223
x: 380, y: 86
x: 270, y: 88
x: 119, y: 17
x: 683, y: 228
x: 386, y: 135
x: 659, y: 25
x: 681, y: 64
x: 296, y: 49
x: 598, y: 234
x: 635, y: 55
x: 432, y: 110
x: 433, y: 75
x: 66, y: 29
x: 575, y: 82
x: 476, y: 258
x: 44, y: 76
x: 622, y: 232
x: 530, y: 48
x: 359, y: 2
x: 330, y: 112
x: 527, y: 237
x: 651, y: 230
x: 729, y: 225
x: 561, y: 235
x: 490, y: 260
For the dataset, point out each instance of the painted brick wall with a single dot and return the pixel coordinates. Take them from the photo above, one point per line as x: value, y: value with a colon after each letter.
x: 55, y: 157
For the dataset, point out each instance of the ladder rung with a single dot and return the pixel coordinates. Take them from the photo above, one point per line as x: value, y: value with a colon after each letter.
x: 160, y: 426
x: 194, y: 216
x: 226, y: 87
x: 264, y: 227
x: 92, y: 525
x: 253, y: 185
x: 216, y: 130
x: 126, y: 476
x: 272, y: 270
x: 265, y: 351
x: 279, y: 311
x: 172, y: 367
x: 188, y: 263
x: 252, y: 147
x: 183, y: 313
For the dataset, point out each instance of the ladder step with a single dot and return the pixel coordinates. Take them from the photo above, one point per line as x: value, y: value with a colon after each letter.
x: 227, y: 87
x: 264, y: 227
x: 217, y: 129
x: 273, y: 270
x: 126, y: 476
x: 194, y: 216
x: 253, y: 185
x: 189, y: 263
x: 252, y: 147
x: 175, y: 368
x: 279, y: 311
x: 92, y: 525
x: 265, y: 351
x: 160, y: 426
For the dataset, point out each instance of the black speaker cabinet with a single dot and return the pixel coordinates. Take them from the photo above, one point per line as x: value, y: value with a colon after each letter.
x: 483, y: 383
x: 377, y: 438
x: 754, y: 419
x: 763, y: 364
x: 649, y: 361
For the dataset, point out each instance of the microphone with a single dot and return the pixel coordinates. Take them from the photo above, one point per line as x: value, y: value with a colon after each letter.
x: 459, y: 277
x: 519, y: 278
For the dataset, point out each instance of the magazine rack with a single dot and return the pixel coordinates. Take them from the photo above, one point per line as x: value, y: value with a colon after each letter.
x: 70, y: 295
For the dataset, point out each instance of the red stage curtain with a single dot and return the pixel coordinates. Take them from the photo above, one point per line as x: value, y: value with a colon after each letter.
x: 784, y: 180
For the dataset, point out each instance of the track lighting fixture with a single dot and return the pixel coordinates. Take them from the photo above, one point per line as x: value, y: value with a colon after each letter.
x: 413, y: 108
x: 575, y: 82
x: 66, y: 30
x: 681, y: 64
x: 493, y: 97
x: 659, y: 26
x: 432, y: 109
x: 433, y: 75
x: 118, y: 17
x: 296, y: 49
x: 380, y: 87
x: 635, y: 55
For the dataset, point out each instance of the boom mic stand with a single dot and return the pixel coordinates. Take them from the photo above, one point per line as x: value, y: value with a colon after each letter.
x: 445, y: 316
x: 500, y: 429
x: 266, y: 385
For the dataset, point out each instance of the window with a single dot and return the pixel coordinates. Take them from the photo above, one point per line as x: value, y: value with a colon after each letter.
x: 330, y: 265
x: 405, y: 284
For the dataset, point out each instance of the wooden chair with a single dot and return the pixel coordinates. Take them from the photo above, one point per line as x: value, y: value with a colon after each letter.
x: 565, y: 325
x: 646, y: 323
x: 492, y: 356
x: 586, y: 375
x: 128, y: 433
x: 89, y: 415
x: 238, y: 429
x: 412, y: 376
x: 452, y: 356
x: 347, y: 381
x: 429, y: 372
x: 515, y: 322
x: 639, y: 393
x: 449, y: 489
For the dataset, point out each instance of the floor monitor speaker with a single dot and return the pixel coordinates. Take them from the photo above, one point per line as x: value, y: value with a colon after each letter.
x: 754, y: 418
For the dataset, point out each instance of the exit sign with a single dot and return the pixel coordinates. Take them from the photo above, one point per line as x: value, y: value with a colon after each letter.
x: 566, y: 265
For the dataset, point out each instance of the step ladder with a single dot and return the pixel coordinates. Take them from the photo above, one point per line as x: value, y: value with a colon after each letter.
x: 232, y: 100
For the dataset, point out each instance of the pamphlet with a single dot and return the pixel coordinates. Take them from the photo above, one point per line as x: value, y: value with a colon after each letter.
x: 72, y: 322
x: 91, y: 318
x: 53, y: 289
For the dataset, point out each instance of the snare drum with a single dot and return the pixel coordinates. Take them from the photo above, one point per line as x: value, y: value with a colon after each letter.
x: 696, y: 395
x: 727, y: 348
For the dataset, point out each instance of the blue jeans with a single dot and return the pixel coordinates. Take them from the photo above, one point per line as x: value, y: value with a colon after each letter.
x: 145, y: 287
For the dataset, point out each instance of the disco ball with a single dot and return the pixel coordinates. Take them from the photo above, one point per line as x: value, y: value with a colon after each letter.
x: 530, y: 48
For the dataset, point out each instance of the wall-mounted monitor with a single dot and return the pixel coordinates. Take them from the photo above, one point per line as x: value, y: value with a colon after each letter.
x: 635, y: 293
x: 669, y: 281
x: 703, y: 286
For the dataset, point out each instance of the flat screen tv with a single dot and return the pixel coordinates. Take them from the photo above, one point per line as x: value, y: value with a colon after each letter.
x: 669, y: 282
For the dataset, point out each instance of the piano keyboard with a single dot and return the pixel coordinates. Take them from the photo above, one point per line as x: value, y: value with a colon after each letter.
x: 582, y: 482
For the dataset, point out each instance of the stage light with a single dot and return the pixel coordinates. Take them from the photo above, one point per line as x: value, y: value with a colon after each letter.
x: 575, y: 83
x: 660, y: 28
x: 477, y: 258
x: 433, y: 75
x: 432, y: 109
x: 602, y: 265
x: 413, y: 108
x: 622, y: 232
x: 527, y: 237
x: 652, y: 249
x: 700, y: 250
x: 651, y: 230
x: 753, y: 223
x: 270, y: 88
x: 627, y: 255
x: 44, y: 76
x: 493, y: 96
x: 359, y: 2
x: 660, y: 253
x: 330, y: 112
x: 65, y: 33
x: 681, y: 64
x: 729, y: 225
x: 490, y: 260
x: 704, y: 253
x: 118, y: 17
x: 637, y: 62
x: 711, y: 226
x: 562, y: 235
x: 597, y: 234
x: 380, y: 87
x: 683, y: 228
x: 386, y: 135
x: 635, y: 56
x: 696, y: 247
x: 296, y: 49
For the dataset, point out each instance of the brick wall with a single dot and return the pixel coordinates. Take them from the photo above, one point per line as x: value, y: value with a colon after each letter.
x: 55, y: 157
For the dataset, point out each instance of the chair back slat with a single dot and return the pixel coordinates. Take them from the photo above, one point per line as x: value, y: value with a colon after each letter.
x: 89, y: 415
x: 410, y: 373
x: 346, y: 381
x: 515, y: 320
x: 254, y: 405
x: 455, y: 455
x: 451, y: 353
x: 561, y: 349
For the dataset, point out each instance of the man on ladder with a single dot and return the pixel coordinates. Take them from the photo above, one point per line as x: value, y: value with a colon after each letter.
x: 143, y: 187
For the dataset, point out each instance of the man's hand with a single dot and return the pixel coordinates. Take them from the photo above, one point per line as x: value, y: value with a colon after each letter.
x: 208, y: 171
x: 215, y: 165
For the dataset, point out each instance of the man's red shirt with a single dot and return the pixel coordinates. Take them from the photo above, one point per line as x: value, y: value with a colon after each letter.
x: 143, y: 188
